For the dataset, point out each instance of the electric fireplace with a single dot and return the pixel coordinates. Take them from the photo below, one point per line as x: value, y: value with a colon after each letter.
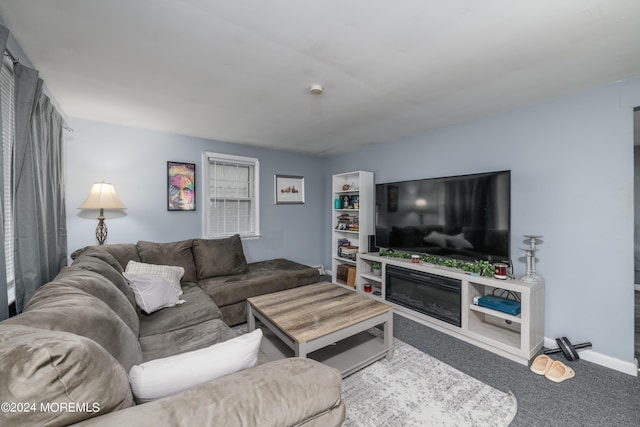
x: 433, y: 295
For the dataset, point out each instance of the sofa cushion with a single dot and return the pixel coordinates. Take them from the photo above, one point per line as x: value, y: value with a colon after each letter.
x: 152, y: 292
x: 234, y: 314
x: 64, y: 308
x: 219, y: 257
x: 190, y: 338
x: 171, y: 273
x: 53, y: 368
x: 103, y: 256
x: 93, y: 284
x: 261, y: 278
x: 123, y: 252
x: 198, y: 308
x: 164, y: 377
x: 287, y: 392
x: 173, y: 253
x: 91, y: 263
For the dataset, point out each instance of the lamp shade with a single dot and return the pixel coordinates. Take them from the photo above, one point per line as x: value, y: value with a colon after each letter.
x: 102, y: 196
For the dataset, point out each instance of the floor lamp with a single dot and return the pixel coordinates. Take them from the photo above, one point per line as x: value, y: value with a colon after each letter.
x: 102, y: 196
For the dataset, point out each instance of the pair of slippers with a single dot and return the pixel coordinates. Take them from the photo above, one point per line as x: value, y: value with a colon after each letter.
x: 553, y: 370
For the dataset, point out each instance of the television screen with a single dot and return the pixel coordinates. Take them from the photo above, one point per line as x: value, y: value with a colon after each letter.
x: 465, y: 217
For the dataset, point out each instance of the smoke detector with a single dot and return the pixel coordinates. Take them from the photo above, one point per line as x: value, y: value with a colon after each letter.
x: 316, y: 89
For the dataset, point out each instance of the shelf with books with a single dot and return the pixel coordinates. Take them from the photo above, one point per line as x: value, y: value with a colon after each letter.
x: 352, y: 217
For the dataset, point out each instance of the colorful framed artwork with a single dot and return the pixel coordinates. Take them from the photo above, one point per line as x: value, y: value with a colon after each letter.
x: 289, y: 190
x: 181, y: 186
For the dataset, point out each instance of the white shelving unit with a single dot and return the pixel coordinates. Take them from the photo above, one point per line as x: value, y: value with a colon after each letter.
x: 517, y: 338
x: 365, y: 277
x: 360, y: 187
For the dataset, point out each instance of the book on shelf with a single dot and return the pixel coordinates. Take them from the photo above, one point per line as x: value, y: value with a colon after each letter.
x: 343, y: 242
x: 348, y: 252
x: 346, y: 275
x: 351, y: 277
x: 348, y: 223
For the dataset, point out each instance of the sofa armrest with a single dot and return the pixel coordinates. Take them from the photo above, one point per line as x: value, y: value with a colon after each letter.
x: 286, y: 392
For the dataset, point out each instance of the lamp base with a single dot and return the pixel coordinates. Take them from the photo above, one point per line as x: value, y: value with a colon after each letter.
x: 101, y: 230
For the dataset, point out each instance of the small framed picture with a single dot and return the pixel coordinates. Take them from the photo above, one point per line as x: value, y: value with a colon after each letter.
x: 289, y: 190
x: 181, y: 186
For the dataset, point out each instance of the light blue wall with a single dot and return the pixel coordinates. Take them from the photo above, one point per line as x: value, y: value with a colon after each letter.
x: 572, y: 181
x: 135, y: 160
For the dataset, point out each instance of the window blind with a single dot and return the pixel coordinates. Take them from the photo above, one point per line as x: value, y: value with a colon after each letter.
x: 8, y: 128
x: 232, y: 196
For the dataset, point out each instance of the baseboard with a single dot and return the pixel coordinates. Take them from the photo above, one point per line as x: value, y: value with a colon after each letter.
x: 320, y: 269
x: 630, y: 368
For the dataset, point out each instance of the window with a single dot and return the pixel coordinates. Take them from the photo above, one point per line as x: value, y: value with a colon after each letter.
x: 8, y: 127
x: 231, y: 196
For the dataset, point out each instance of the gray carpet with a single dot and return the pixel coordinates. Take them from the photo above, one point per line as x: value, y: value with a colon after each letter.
x: 597, y: 396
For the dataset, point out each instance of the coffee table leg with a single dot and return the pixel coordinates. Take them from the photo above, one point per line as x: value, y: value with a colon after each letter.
x: 388, y: 334
x: 251, y: 320
x: 300, y: 350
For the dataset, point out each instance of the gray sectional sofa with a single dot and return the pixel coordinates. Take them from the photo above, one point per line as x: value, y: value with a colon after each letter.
x: 73, y: 346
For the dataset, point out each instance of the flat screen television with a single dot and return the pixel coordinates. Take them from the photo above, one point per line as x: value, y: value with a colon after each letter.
x: 464, y: 217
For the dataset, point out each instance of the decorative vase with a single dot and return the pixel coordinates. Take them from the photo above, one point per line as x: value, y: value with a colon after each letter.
x: 531, y: 276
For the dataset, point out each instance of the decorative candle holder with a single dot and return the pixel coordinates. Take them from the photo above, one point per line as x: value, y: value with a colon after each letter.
x: 531, y: 276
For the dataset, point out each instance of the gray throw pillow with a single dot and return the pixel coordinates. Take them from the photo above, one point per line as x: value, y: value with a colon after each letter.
x: 172, y: 253
x: 219, y: 257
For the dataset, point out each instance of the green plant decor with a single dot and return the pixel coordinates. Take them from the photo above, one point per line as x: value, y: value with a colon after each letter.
x: 376, y: 265
x: 480, y: 267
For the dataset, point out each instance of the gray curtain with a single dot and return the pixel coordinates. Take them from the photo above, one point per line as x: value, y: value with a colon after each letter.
x: 4, y: 302
x: 39, y: 187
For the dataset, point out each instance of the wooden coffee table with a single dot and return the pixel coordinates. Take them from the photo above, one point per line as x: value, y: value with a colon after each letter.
x: 325, y: 322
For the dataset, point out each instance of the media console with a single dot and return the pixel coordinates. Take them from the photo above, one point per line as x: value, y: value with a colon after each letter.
x: 517, y: 338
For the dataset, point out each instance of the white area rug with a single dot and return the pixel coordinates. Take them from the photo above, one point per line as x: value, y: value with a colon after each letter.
x: 414, y: 389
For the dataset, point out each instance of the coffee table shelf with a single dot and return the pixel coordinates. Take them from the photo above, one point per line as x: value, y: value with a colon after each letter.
x: 347, y: 356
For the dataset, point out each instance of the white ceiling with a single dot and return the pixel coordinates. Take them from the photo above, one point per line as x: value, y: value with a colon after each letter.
x: 239, y: 70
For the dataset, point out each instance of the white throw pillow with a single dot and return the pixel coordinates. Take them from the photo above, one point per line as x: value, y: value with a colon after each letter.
x: 152, y: 292
x: 172, y: 273
x: 159, y: 378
